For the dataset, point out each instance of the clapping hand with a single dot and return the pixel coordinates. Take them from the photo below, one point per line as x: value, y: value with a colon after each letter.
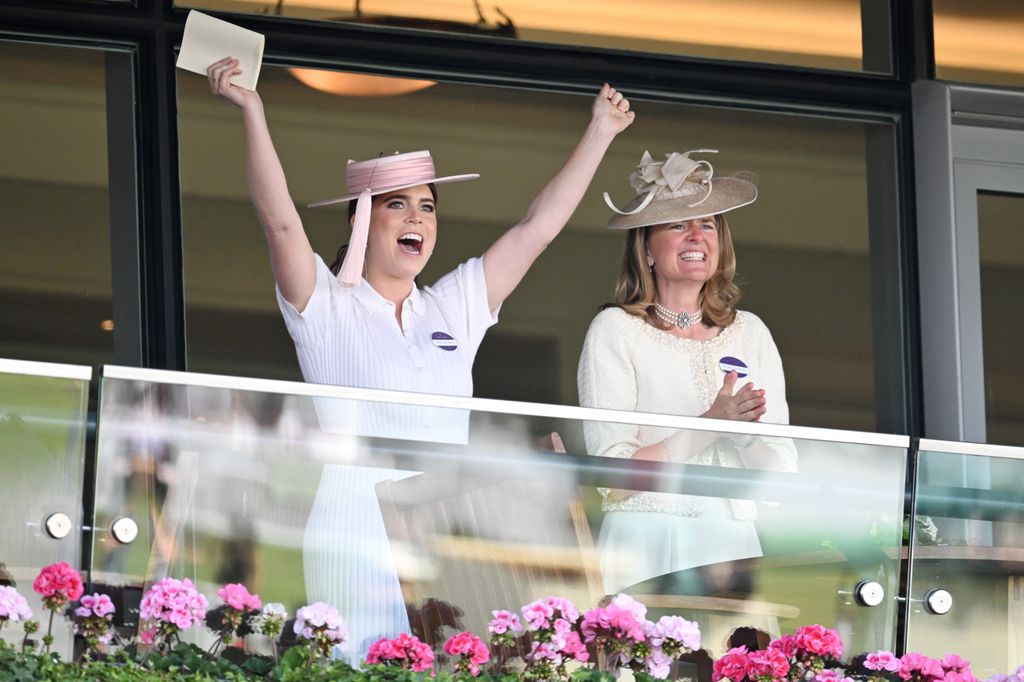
x: 746, y: 405
x: 611, y: 110
x: 219, y: 74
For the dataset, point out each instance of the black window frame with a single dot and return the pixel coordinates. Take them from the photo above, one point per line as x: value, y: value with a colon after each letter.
x: 145, y: 193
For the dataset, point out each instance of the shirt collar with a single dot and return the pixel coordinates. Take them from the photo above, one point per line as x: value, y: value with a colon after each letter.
x: 374, y: 302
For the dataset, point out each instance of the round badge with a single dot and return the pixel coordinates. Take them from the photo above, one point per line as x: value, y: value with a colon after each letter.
x: 443, y: 341
x: 729, y: 363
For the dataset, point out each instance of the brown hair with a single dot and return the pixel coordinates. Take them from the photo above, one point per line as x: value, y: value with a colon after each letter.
x: 636, y: 288
x: 335, y: 267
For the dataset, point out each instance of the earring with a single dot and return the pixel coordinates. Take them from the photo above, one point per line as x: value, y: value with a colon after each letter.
x: 650, y: 262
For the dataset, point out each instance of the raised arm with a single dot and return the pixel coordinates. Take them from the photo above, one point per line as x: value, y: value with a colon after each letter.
x: 508, y: 259
x: 291, y: 256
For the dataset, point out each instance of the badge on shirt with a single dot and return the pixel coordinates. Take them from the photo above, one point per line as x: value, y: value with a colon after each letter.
x: 728, y: 364
x: 443, y: 341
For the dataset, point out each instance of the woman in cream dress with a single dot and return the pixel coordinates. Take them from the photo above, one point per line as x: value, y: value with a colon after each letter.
x: 674, y: 343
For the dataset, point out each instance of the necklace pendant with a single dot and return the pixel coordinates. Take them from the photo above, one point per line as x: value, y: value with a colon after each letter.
x: 685, y: 320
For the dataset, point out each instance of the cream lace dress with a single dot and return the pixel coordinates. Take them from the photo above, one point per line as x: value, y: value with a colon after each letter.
x: 627, y: 364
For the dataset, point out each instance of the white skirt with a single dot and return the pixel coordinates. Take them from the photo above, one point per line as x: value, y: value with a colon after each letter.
x: 637, y: 546
x: 347, y: 556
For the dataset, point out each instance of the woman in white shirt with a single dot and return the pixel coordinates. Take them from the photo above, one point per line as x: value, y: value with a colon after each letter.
x: 674, y: 343
x: 369, y: 325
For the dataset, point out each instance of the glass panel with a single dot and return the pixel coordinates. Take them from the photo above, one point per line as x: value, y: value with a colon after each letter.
x: 55, y: 263
x: 969, y: 541
x: 395, y: 512
x: 1001, y: 245
x: 819, y: 34
x: 810, y: 224
x: 978, y: 41
x: 42, y: 450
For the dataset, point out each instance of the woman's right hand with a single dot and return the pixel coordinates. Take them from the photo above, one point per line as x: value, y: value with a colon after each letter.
x: 746, y: 405
x: 219, y: 74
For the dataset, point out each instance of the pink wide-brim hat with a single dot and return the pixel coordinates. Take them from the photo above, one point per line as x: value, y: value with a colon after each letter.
x: 381, y: 175
x: 389, y: 174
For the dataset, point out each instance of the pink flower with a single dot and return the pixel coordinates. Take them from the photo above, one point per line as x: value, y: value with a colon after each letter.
x: 237, y: 597
x: 541, y: 614
x: 953, y: 663
x: 786, y: 644
x: 58, y: 584
x: 538, y: 614
x: 767, y: 664
x: 920, y: 667
x: 173, y: 602
x: 471, y: 650
x: 882, y: 660
x: 732, y: 665
x: 612, y: 624
x: 504, y: 622
x: 405, y: 651
x: 573, y: 647
x: 818, y: 640
x: 624, y: 601
x: 13, y: 606
x: 831, y: 676
x: 98, y: 605
x: 147, y: 636
x: 544, y: 652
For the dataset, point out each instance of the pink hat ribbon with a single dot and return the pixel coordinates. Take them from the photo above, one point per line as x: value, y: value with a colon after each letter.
x: 372, y: 177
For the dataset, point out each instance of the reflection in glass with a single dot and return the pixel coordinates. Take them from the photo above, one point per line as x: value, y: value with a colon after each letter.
x: 415, y: 534
x: 55, y: 262
x: 979, y: 41
x: 970, y: 542
x: 1001, y: 246
x: 513, y: 137
x: 42, y: 451
x: 796, y: 32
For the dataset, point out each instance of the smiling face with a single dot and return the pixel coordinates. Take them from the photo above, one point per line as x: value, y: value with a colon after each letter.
x: 403, y: 231
x: 685, y: 251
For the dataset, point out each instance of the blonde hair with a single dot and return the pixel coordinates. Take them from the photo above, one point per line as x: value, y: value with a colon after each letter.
x: 636, y: 289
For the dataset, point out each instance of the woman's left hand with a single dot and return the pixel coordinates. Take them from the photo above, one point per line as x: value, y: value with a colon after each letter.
x: 611, y: 110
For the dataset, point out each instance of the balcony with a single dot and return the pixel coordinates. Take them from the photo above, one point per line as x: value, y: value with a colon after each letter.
x: 413, y: 511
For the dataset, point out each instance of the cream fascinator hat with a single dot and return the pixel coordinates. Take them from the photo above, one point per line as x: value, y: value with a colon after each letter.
x: 381, y: 175
x: 680, y: 188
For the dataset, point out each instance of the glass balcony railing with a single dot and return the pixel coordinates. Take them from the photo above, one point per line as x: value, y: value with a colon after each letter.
x: 423, y: 513
x: 419, y: 513
x: 967, y: 568
x: 42, y: 451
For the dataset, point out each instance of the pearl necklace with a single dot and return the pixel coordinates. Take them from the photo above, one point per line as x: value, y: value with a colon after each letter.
x: 682, y: 320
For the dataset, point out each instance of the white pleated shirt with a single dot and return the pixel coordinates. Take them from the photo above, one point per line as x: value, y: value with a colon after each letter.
x: 349, y: 336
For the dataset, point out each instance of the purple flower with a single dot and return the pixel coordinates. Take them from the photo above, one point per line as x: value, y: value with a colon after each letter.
x: 675, y: 634
x: 658, y: 664
x: 12, y: 605
x: 320, y: 620
x: 831, y: 676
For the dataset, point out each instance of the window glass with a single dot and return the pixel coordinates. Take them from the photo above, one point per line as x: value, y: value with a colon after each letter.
x: 802, y: 248
x: 55, y: 282
x: 832, y: 34
x: 979, y: 41
x: 1001, y: 243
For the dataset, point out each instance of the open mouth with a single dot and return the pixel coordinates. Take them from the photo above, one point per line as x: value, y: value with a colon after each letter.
x: 411, y: 243
x: 696, y: 256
